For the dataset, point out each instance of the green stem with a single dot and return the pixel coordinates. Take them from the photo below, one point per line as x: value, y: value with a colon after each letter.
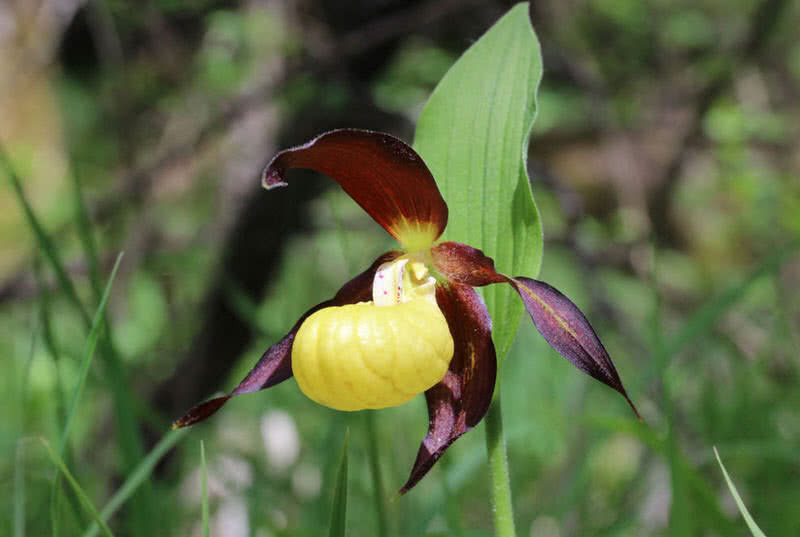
x: 499, y: 477
x: 375, y: 470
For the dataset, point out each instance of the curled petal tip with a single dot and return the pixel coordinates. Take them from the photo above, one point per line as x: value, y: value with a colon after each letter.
x: 200, y: 412
x: 272, y: 177
x: 633, y: 407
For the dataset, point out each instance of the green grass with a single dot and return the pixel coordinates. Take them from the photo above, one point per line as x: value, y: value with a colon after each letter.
x: 338, y: 524
x: 751, y: 524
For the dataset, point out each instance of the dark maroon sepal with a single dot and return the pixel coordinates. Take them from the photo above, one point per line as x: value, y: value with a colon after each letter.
x: 465, y: 264
x: 275, y: 365
x: 383, y: 174
x: 568, y: 331
x: 461, y: 399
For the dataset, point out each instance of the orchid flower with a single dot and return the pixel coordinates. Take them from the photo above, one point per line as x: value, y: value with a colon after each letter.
x: 412, y: 322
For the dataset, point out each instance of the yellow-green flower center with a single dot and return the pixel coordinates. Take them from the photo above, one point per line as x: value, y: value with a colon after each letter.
x: 376, y: 354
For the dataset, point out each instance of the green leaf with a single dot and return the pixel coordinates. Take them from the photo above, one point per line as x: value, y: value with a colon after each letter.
x: 754, y: 529
x: 339, y: 513
x: 473, y: 135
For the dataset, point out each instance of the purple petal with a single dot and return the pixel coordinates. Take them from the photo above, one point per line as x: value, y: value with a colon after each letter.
x: 461, y: 399
x: 275, y: 365
x: 566, y: 329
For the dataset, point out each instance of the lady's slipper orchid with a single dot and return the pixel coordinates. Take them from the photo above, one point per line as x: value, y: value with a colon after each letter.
x: 411, y: 322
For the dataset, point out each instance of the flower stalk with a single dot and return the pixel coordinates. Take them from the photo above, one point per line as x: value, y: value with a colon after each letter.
x: 499, y: 477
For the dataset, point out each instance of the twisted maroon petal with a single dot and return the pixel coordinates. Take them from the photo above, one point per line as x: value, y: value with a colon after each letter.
x: 461, y: 399
x: 381, y: 173
x: 275, y: 365
x: 568, y: 331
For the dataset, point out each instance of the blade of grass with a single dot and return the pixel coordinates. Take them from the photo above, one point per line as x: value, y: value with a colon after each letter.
x: 124, y: 402
x: 684, y: 478
x: 49, y: 340
x: 44, y: 310
x: 19, y: 463
x: 91, y: 345
x: 339, y: 512
x: 137, y: 477
x: 375, y: 471
x: 85, y: 231
x: 751, y: 524
x: 129, y: 441
x: 206, y: 530
x: 703, y: 495
x: 681, y: 521
x: 19, y: 491
x: 45, y: 244
x: 75, y: 486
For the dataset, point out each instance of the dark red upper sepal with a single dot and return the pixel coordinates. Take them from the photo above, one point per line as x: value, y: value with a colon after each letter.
x: 461, y: 399
x: 568, y: 331
x: 380, y: 172
x: 275, y: 365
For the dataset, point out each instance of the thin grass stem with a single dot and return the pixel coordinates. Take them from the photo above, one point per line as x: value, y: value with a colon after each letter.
x: 375, y: 470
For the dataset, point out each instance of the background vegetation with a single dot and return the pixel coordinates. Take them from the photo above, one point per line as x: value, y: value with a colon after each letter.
x: 665, y: 164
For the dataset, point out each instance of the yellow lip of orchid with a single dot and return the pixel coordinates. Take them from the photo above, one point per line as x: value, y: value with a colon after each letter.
x: 394, y: 330
x: 379, y: 353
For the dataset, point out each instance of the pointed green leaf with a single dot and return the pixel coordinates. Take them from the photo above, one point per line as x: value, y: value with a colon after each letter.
x: 473, y: 135
x: 754, y: 529
x: 339, y: 512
